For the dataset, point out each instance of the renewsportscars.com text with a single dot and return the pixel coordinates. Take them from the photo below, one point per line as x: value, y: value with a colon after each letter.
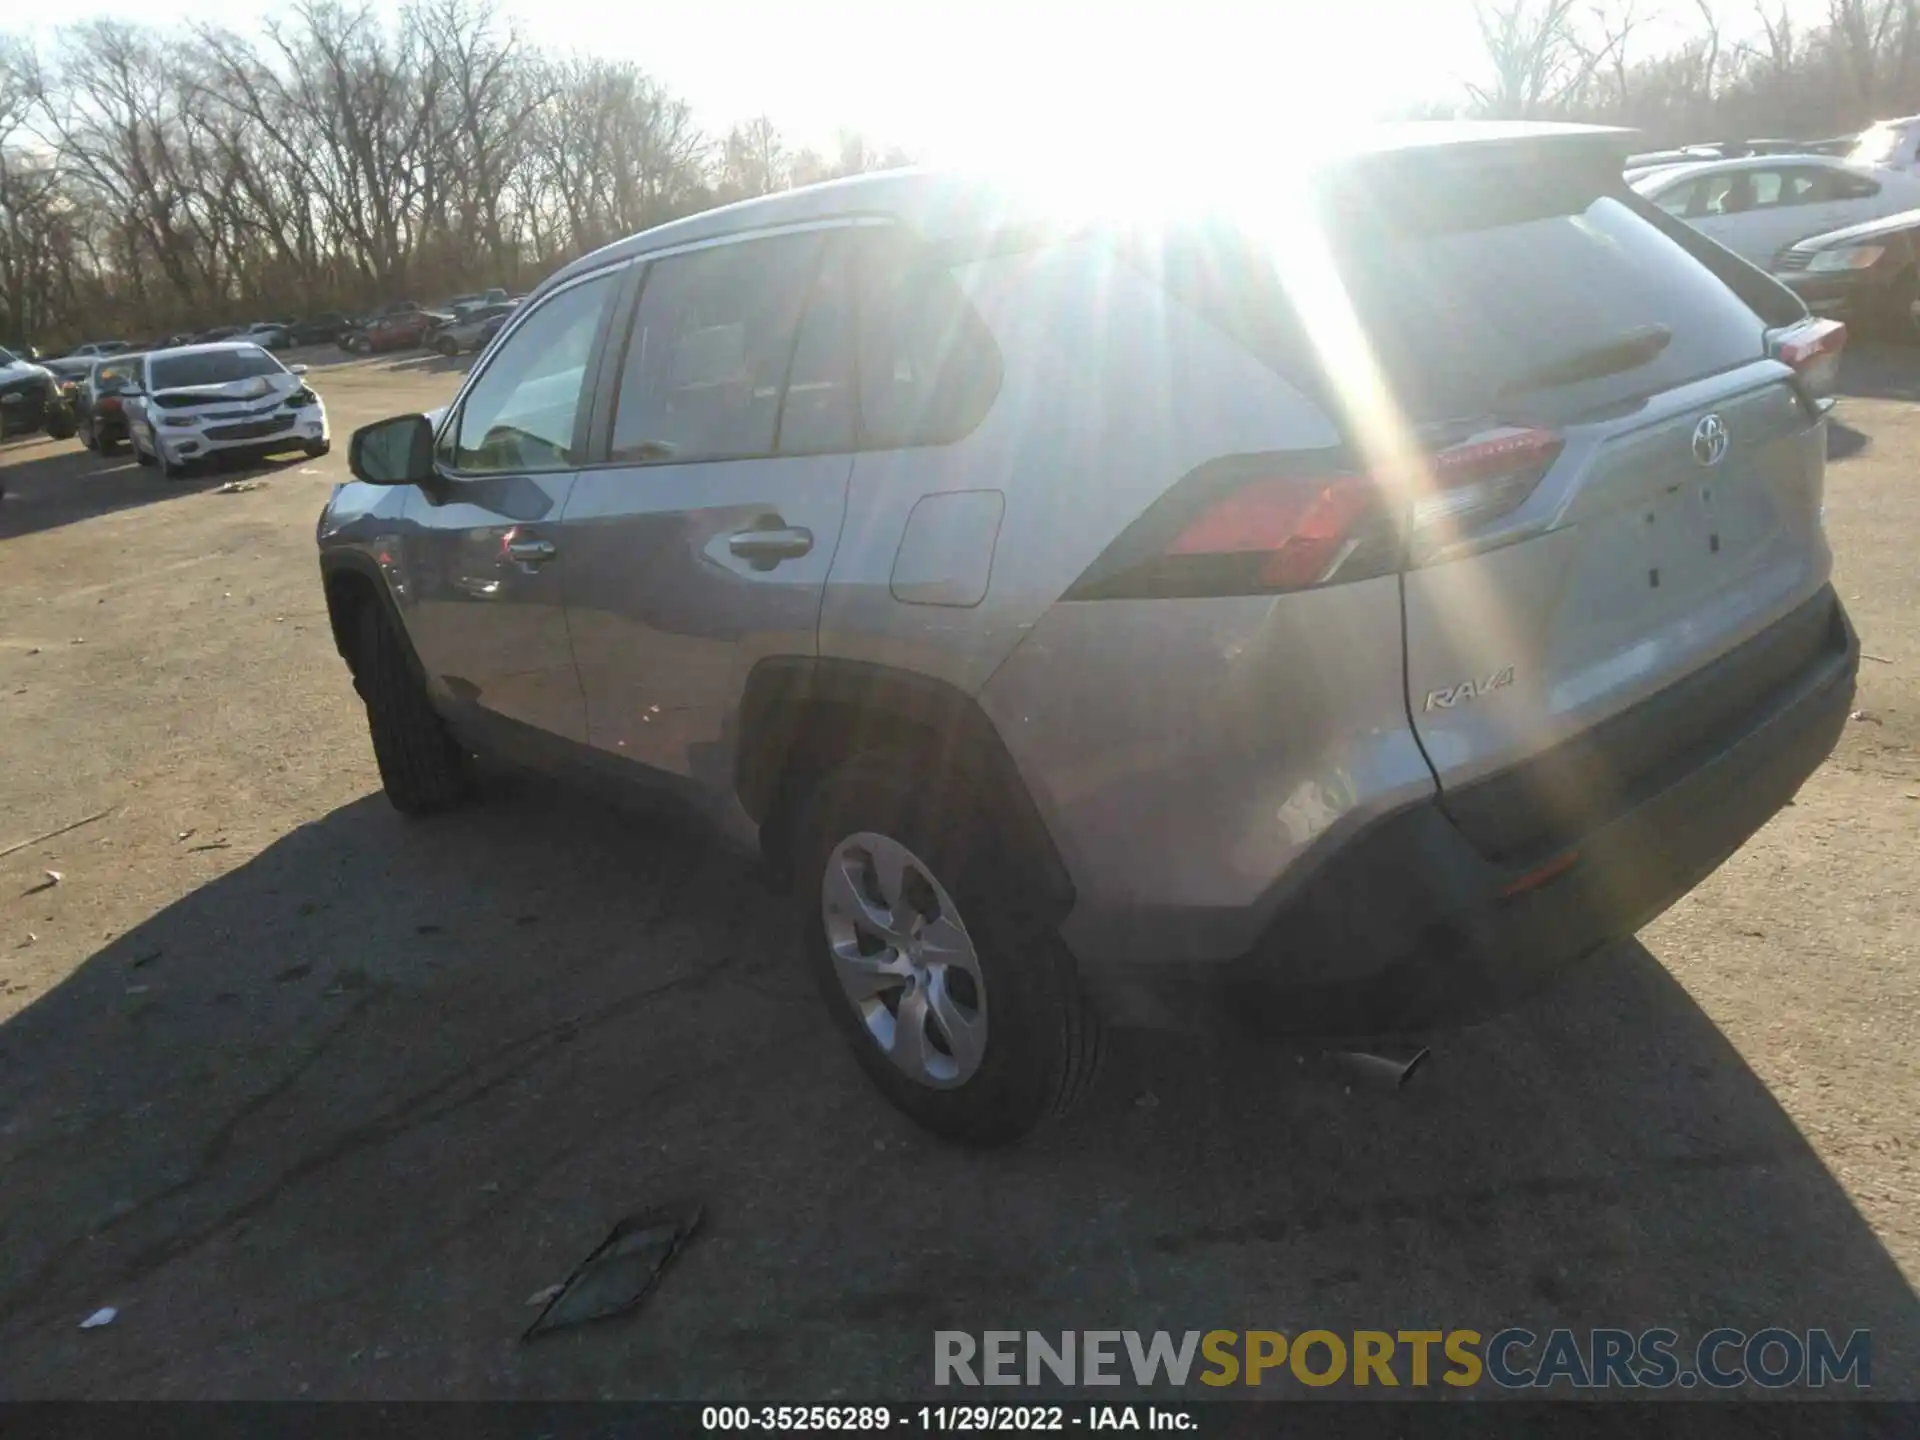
x: 1513, y: 1358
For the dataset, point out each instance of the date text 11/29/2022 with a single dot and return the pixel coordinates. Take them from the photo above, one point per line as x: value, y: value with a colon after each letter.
x: 939, y: 1418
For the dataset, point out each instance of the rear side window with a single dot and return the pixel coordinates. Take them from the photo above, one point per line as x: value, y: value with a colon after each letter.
x: 1844, y: 185
x: 1466, y: 320
x: 929, y: 368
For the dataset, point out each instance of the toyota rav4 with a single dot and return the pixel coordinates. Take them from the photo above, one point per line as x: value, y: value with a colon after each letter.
x: 1353, y: 604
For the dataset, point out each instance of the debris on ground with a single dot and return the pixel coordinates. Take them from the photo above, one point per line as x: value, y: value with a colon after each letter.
x: 1147, y: 1100
x: 53, y: 879
x: 23, y: 844
x: 1879, y: 659
x: 622, y: 1272
x: 1866, y: 717
x: 239, y: 487
x: 34, y: 651
x: 211, y: 845
x: 141, y: 962
x: 105, y: 1315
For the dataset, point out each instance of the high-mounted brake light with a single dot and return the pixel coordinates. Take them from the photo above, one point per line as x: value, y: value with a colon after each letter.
x: 1813, y: 348
x: 1238, y: 527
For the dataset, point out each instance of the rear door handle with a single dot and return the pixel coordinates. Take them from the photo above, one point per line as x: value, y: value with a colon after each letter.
x: 767, y: 548
x: 530, y: 552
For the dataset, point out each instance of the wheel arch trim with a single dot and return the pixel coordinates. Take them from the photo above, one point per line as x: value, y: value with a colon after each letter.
x: 782, y: 692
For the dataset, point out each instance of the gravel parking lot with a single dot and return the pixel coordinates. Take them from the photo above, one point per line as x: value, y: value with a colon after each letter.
x: 316, y: 1098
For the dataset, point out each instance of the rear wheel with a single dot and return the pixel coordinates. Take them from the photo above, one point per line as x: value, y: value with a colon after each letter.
x: 59, y: 423
x: 87, y: 436
x: 422, y: 767
x: 1898, y: 320
x: 447, y: 346
x: 961, y: 1008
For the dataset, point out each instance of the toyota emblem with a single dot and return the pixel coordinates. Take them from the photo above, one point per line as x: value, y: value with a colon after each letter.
x: 1710, y: 440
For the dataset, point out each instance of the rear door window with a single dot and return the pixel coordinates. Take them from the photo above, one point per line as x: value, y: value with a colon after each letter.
x: 1465, y: 320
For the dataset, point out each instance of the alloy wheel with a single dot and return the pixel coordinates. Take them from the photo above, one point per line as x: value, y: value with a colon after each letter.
x: 904, y: 960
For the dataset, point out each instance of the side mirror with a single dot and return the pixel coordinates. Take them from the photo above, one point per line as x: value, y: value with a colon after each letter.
x: 393, y: 452
x: 296, y: 369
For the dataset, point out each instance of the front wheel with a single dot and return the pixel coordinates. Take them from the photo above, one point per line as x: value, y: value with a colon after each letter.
x: 959, y: 1004
x: 172, y: 469
x: 422, y: 767
x: 317, y: 449
x: 140, y: 455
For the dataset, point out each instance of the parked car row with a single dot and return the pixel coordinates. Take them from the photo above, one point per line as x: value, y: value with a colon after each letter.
x: 1839, y: 232
x: 466, y: 322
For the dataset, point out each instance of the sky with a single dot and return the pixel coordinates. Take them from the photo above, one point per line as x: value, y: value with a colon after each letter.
x: 967, y: 81
x: 956, y: 82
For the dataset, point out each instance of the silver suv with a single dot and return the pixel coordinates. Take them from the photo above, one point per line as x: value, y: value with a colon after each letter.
x: 1339, y: 607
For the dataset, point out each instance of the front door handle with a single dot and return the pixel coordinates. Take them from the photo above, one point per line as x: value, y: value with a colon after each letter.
x: 530, y: 552
x: 767, y: 548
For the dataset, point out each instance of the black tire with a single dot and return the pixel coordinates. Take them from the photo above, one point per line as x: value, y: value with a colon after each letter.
x: 59, y: 423
x: 87, y: 436
x: 1043, y: 1039
x: 447, y: 346
x: 317, y: 449
x: 141, y: 457
x: 422, y: 767
x: 106, y: 444
x: 170, y: 471
x: 1897, y: 321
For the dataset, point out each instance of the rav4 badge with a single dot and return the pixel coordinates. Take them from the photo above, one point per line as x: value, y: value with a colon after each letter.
x: 1449, y: 696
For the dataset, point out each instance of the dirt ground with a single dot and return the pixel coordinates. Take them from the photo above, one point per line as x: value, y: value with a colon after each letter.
x: 317, y: 1098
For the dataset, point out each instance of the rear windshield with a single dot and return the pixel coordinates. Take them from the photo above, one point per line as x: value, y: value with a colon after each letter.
x: 212, y: 367
x: 116, y: 374
x: 1479, y: 301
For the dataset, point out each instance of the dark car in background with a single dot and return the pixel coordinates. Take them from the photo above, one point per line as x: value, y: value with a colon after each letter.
x: 215, y: 335
x: 32, y: 398
x: 394, y: 330
x: 1866, y: 274
x: 320, y: 330
x: 99, y: 408
x: 475, y: 327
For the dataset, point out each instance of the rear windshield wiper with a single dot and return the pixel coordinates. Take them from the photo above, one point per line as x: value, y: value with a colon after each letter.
x: 1609, y: 357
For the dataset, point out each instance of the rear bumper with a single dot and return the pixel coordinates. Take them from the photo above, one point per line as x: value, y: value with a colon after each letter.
x: 1412, y: 922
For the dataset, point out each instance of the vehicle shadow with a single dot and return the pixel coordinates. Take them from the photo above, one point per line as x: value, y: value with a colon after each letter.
x: 1880, y: 370
x: 1844, y: 442
x: 323, y: 1125
x: 433, y: 363
x: 66, y: 483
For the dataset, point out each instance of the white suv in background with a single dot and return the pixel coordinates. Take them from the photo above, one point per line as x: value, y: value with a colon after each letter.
x: 1758, y: 206
x: 201, y: 401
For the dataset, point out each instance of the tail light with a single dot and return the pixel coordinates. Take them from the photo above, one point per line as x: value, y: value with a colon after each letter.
x: 1813, y: 349
x: 109, y: 405
x: 1253, y: 525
